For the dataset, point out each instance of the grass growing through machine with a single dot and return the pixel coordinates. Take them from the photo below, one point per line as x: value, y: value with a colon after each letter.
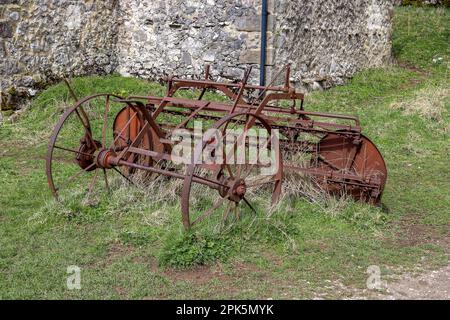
x: 131, y: 244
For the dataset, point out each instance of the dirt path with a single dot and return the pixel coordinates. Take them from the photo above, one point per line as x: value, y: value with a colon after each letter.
x: 429, y: 285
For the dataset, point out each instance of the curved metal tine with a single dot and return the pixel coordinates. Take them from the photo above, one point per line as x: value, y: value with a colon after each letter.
x: 227, y: 132
x: 92, y: 184
x: 85, y: 125
x: 240, y: 137
x: 261, y: 181
x: 238, y: 173
x: 260, y: 148
x: 237, y: 212
x: 227, y: 211
x: 105, y: 122
x: 211, y: 210
x: 106, y: 180
x: 249, y: 172
x: 125, y: 177
x: 75, y: 176
x: 230, y: 172
x: 248, y: 203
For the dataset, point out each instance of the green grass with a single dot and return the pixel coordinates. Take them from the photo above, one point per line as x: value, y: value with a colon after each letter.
x: 129, y: 245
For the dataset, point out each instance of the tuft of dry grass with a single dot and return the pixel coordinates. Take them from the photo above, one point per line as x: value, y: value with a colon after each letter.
x: 429, y: 102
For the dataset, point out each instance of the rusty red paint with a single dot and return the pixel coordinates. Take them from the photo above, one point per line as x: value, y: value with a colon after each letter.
x: 342, y: 159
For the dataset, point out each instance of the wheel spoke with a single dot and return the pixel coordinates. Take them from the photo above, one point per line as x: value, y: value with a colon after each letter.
x: 92, y: 184
x: 229, y: 171
x: 75, y: 176
x: 249, y: 171
x: 87, y: 129
x: 210, y: 210
x: 237, y: 212
x: 72, y: 150
x: 227, y: 211
x: 105, y: 175
x: 119, y: 136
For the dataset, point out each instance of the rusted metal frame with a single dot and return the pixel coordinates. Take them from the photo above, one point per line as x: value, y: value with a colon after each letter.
x: 207, y: 67
x: 74, y: 97
x: 199, y: 84
x: 192, y: 115
x: 210, y: 183
x: 171, y: 89
x: 182, y: 85
x: 308, y: 125
x: 189, y: 177
x: 230, y: 94
x: 330, y: 175
x: 126, y: 127
x: 351, y: 130
x: 154, y: 154
x: 293, y: 95
x: 150, y: 123
x: 214, y: 106
x: 221, y: 107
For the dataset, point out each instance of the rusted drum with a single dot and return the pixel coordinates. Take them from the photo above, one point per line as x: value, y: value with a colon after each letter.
x: 352, y: 155
x: 127, y: 126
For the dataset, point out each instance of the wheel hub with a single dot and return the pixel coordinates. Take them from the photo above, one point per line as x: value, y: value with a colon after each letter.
x: 85, y: 157
x: 103, y: 158
x: 234, y: 189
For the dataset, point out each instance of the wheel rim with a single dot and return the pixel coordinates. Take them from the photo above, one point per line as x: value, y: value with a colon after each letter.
x: 82, y: 132
x: 229, y: 176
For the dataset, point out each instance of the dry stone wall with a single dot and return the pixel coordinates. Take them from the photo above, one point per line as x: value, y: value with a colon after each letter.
x: 43, y: 40
x: 326, y: 41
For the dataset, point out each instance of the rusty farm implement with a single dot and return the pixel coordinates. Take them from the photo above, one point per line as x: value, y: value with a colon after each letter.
x: 106, y: 134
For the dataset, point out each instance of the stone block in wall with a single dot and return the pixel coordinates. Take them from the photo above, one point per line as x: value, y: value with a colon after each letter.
x: 253, y: 23
x: 9, y: 1
x: 270, y: 57
x: 249, y: 23
x: 2, y: 50
x: 9, y: 99
x: 254, y: 55
x: 250, y: 56
x: 6, y: 29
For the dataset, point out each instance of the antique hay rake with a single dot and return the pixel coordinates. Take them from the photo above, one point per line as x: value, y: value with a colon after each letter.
x: 107, y: 133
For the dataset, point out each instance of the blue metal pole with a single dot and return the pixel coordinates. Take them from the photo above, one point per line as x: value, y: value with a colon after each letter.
x: 262, y: 62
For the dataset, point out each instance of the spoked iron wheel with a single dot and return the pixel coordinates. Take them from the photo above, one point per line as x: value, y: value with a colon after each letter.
x: 339, y: 153
x: 227, y: 188
x: 79, y: 144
